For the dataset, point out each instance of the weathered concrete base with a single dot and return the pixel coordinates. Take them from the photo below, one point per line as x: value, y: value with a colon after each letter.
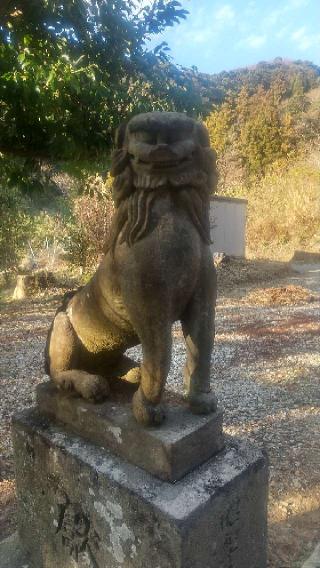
x: 314, y: 560
x: 80, y: 506
x: 12, y: 554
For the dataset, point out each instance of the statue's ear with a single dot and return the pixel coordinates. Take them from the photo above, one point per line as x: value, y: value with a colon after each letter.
x: 120, y: 157
x: 120, y: 135
x: 210, y: 158
x: 202, y: 135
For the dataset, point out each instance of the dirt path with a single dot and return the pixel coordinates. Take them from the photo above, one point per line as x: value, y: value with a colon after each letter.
x: 270, y: 391
x: 266, y: 372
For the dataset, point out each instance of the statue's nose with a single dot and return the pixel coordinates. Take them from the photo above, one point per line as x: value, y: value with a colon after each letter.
x: 162, y: 153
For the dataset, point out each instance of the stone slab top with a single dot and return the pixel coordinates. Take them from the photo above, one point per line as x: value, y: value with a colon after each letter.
x: 178, y: 500
x: 170, y: 451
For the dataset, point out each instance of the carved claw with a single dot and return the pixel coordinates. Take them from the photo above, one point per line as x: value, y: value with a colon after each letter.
x: 93, y: 388
x: 202, y: 402
x: 145, y: 412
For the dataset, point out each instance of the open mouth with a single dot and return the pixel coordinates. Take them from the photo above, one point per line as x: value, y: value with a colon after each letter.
x: 165, y: 164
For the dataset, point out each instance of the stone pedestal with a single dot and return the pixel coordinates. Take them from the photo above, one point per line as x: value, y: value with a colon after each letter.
x: 183, y: 441
x: 81, y: 505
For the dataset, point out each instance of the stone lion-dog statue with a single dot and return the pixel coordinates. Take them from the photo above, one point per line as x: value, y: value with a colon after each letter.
x: 157, y: 269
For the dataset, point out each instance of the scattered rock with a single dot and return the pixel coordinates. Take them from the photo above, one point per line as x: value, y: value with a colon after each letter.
x: 220, y: 258
x: 28, y: 284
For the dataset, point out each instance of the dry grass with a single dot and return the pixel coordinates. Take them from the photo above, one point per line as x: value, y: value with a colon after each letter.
x: 283, y: 295
x: 284, y: 211
x: 283, y: 208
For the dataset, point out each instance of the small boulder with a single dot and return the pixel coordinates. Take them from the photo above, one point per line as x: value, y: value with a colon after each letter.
x: 220, y: 259
x: 28, y: 284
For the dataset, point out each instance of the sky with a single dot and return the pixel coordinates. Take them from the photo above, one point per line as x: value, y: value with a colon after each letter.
x: 229, y: 34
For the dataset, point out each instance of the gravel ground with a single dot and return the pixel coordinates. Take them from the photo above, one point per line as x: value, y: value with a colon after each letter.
x: 266, y: 371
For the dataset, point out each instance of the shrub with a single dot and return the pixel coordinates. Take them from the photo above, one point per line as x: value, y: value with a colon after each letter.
x: 284, y: 209
x: 16, y: 226
x: 39, y: 224
x: 89, y: 227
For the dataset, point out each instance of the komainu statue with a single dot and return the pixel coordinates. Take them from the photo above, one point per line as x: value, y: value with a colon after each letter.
x: 157, y: 269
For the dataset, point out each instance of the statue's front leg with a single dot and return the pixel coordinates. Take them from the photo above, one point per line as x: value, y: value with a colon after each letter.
x: 156, y: 348
x: 148, y: 310
x: 198, y: 329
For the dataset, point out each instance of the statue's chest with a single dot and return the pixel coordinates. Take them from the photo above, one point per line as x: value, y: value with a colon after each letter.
x: 168, y: 256
x: 174, y: 238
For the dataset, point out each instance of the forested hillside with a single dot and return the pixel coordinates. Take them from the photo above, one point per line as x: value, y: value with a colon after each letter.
x: 70, y: 73
x: 268, y: 142
x: 292, y: 74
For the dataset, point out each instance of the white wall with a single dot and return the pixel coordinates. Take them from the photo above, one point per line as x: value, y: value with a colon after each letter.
x: 228, y: 225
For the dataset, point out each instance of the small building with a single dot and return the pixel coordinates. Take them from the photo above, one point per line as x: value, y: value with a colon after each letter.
x: 228, y: 217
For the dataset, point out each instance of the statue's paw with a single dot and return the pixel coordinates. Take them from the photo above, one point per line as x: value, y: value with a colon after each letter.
x: 145, y: 412
x: 93, y: 388
x: 202, y: 403
x: 133, y: 376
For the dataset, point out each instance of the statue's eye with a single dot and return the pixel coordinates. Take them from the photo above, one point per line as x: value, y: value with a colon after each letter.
x: 145, y: 137
x: 177, y: 135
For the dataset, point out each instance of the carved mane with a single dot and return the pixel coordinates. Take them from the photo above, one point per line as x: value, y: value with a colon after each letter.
x: 134, y: 199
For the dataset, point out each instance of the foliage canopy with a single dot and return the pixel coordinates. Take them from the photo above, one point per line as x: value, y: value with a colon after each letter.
x: 72, y: 70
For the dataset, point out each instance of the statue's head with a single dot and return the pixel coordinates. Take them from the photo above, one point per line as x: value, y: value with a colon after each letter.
x: 164, y: 147
x: 162, y: 151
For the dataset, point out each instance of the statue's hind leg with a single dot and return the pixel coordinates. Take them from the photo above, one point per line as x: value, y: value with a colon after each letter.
x: 63, y: 353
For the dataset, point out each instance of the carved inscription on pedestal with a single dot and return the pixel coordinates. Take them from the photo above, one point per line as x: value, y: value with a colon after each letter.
x: 230, y: 524
x: 75, y: 530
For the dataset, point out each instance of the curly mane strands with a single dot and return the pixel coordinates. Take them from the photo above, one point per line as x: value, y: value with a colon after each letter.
x: 196, y: 204
x: 135, y: 195
x: 133, y: 217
